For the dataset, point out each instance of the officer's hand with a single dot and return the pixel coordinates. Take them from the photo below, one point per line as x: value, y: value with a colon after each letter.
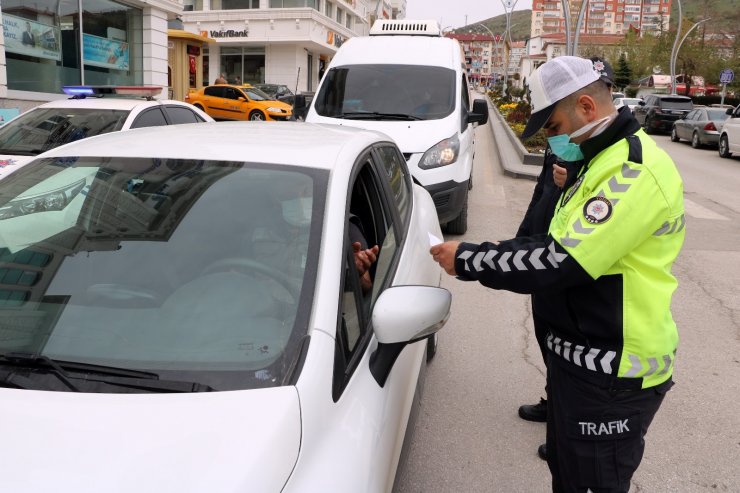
x: 444, y: 255
x: 559, y: 175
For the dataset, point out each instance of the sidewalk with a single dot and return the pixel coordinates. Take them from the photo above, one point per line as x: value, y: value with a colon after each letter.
x: 513, y: 157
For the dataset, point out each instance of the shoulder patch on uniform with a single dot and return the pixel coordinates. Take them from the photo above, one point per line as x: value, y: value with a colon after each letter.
x: 597, y: 210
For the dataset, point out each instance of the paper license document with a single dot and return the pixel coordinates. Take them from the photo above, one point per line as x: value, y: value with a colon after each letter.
x: 433, y: 240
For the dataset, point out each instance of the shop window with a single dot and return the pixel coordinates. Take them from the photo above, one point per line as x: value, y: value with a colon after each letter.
x: 43, y: 51
x: 291, y: 4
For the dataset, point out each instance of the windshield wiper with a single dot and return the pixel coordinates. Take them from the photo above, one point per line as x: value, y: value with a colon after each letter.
x: 123, y: 377
x: 40, y: 361
x: 375, y: 115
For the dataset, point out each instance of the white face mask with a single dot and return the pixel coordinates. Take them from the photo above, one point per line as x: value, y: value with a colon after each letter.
x: 599, y: 126
x: 297, y: 212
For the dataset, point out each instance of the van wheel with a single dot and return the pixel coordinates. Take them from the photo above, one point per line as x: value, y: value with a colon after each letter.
x: 459, y: 225
x: 724, y: 147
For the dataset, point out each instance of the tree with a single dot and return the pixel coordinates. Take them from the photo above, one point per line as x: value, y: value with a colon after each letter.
x: 623, y: 73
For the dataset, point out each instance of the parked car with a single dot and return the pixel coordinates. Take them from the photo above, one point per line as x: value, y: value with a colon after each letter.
x: 242, y: 102
x: 108, y: 109
x: 189, y: 317
x: 631, y: 103
x: 729, y: 139
x: 616, y: 95
x: 280, y: 92
x: 657, y: 112
x: 700, y: 126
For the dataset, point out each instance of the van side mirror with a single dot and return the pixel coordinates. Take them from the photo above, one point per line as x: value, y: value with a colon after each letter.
x: 729, y: 111
x: 480, y: 112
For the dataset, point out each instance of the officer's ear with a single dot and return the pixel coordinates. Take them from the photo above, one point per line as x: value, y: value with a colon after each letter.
x: 586, y: 105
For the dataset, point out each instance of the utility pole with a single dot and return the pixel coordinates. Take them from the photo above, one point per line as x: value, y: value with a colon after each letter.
x: 508, y: 9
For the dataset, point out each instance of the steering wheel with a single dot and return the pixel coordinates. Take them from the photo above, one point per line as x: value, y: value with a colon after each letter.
x: 250, y: 266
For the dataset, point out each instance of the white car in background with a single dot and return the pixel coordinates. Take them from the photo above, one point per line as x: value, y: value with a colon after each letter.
x: 91, y: 110
x: 629, y: 102
x: 183, y: 311
x: 729, y: 138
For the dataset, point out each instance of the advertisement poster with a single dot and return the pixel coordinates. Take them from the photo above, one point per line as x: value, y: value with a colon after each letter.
x: 31, y: 38
x: 104, y: 52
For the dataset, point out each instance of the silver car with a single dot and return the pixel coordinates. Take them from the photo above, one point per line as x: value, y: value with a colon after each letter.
x: 701, y: 126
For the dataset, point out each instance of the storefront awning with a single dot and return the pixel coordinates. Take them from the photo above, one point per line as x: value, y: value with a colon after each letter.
x: 180, y: 34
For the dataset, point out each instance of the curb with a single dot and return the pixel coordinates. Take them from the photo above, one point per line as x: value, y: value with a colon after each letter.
x: 513, y: 156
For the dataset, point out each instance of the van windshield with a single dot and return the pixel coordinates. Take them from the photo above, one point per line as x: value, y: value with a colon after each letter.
x: 387, y: 92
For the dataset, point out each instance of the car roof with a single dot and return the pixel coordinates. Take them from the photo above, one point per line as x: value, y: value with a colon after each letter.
x: 126, y: 104
x: 290, y: 143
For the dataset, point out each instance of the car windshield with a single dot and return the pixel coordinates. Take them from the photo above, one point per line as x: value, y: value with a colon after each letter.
x: 422, y: 92
x: 41, y: 129
x: 196, y: 271
x: 676, y: 103
x: 256, y: 95
x: 718, y: 115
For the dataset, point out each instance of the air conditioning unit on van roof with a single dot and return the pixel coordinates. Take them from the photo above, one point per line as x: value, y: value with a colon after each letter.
x: 394, y: 27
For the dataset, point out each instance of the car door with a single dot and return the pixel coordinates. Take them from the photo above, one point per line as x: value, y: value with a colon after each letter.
x: 685, y: 125
x: 213, y: 101
x: 150, y: 117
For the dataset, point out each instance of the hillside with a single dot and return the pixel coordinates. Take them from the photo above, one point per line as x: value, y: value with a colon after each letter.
x: 725, y: 15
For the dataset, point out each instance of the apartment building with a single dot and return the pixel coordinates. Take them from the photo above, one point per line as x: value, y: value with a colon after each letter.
x: 602, y: 16
x: 484, y: 56
x: 277, y: 41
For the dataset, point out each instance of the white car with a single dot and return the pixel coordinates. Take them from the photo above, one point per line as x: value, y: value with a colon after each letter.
x: 729, y: 138
x: 629, y: 102
x: 183, y: 311
x: 92, y: 110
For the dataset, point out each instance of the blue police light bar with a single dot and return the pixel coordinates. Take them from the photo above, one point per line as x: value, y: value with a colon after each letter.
x: 83, y: 91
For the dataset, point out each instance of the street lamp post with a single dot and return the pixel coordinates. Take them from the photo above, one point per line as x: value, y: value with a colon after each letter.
x: 674, y: 50
x: 674, y: 54
x: 508, y: 9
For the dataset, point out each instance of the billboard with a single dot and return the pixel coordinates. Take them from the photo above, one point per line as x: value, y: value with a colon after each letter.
x: 105, y: 52
x: 26, y: 37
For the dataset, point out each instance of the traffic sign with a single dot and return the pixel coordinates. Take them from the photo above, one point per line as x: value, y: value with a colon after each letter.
x: 726, y: 76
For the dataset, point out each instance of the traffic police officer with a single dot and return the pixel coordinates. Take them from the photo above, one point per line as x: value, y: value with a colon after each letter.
x: 604, y: 270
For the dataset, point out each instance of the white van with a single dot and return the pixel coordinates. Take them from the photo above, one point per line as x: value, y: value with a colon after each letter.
x: 409, y: 82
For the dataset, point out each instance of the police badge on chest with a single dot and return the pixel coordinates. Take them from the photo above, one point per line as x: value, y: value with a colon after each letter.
x: 597, y: 210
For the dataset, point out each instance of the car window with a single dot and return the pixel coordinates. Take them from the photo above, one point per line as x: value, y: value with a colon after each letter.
x: 41, y: 129
x: 717, y: 114
x: 153, y: 117
x: 691, y: 115
x: 179, y: 114
x: 232, y: 93
x: 198, y: 271
x: 398, y: 177
x: 369, y: 217
x: 215, y: 91
x: 424, y: 92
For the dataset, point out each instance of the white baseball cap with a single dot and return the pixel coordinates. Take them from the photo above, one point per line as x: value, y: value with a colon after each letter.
x: 553, y: 81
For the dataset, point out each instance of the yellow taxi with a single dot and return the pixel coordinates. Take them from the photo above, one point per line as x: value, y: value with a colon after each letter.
x: 243, y: 102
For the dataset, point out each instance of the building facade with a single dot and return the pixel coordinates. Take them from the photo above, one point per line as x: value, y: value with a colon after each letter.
x: 484, y: 56
x: 47, y: 44
x: 276, y: 41
x: 602, y: 16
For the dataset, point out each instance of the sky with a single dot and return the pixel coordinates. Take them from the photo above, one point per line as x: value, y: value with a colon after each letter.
x: 453, y: 13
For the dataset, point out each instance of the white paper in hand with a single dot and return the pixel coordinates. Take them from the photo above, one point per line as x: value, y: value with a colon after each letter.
x: 433, y: 240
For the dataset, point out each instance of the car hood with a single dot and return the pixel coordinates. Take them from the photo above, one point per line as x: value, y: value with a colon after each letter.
x: 273, y: 103
x: 10, y: 163
x: 226, y: 441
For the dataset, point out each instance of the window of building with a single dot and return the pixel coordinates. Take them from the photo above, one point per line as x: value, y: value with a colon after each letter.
x: 340, y: 15
x: 348, y: 21
x: 247, y: 63
x: 329, y: 9
x: 291, y: 4
x: 42, y: 44
x: 234, y: 4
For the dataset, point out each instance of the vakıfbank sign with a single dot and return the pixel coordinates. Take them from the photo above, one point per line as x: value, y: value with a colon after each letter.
x: 31, y: 38
x: 229, y: 33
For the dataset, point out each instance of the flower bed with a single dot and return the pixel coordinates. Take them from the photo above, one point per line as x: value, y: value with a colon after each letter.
x: 516, y: 115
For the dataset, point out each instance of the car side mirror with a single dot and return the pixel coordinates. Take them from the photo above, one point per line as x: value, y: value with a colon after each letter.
x: 641, y: 103
x: 729, y: 111
x: 403, y: 315
x: 480, y: 112
x: 242, y: 99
